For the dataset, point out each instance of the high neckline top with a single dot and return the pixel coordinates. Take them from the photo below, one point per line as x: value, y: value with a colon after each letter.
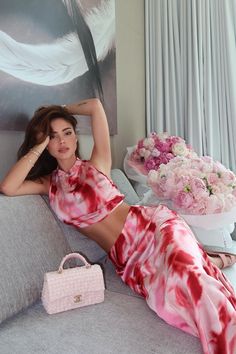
x: 82, y: 195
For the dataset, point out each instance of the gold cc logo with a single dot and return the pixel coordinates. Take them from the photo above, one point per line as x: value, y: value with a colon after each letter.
x: 77, y: 298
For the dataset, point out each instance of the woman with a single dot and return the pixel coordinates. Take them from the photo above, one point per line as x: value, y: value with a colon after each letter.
x: 153, y: 249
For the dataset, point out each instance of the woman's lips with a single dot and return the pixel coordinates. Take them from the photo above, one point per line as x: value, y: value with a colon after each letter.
x: 63, y: 150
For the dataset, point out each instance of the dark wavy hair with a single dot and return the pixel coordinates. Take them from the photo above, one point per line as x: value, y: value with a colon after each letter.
x: 38, y: 128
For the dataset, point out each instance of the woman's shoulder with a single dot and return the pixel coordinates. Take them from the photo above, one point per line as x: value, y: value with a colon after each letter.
x: 99, y: 167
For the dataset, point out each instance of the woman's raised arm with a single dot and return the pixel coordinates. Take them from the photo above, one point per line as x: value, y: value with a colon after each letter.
x: 101, y: 154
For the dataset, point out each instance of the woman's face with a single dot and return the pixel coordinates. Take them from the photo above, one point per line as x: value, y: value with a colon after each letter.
x: 63, y: 140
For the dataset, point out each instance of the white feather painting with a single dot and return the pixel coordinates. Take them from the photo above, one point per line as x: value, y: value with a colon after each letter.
x: 42, y: 60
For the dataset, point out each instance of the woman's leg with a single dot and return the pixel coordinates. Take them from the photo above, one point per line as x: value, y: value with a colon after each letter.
x: 190, y: 292
x: 158, y: 256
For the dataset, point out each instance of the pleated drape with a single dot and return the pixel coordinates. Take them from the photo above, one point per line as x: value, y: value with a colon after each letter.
x: 191, y: 73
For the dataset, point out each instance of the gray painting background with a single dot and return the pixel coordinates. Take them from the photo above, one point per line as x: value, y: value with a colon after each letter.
x: 41, y: 21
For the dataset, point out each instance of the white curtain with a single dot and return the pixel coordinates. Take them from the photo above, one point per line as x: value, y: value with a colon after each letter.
x: 191, y: 73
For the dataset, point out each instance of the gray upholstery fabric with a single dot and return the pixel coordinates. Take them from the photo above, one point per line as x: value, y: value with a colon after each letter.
x: 122, y: 324
x: 233, y: 235
x: 124, y: 186
x: 10, y: 142
x: 31, y: 244
x: 80, y: 243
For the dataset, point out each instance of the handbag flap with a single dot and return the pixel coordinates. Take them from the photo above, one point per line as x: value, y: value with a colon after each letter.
x: 72, y: 281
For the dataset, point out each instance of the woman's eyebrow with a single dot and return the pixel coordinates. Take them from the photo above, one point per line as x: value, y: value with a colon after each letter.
x: 68, y: 128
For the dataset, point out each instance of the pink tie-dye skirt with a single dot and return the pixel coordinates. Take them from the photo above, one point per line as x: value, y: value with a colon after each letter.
x: 158, y: 256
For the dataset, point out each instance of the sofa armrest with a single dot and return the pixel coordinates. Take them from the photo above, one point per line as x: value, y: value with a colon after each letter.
x: 124, y: 185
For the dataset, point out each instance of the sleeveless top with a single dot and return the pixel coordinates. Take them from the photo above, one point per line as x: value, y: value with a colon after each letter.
x: 82, y: 196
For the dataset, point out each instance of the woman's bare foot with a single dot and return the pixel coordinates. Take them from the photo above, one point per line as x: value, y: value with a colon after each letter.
x: 222, y: 260
x: 217, y: 261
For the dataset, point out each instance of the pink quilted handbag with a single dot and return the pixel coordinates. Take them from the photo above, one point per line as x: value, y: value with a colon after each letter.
x: 68, y: 289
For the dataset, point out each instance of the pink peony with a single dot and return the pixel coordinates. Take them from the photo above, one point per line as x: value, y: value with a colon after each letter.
x: 179, y: 149
x: 142, y: 151
x: 198, y: 188
x: 230, y: 201
x: 150, y: 164
x: 163, y: 146
x: 147, y: 153
x: 228, y: 177
x: 149, y: 143
x: 155, y: 152
x: 183, y: 200
x: 212, y: 178
x: 215, y: 204
x: 165, y: 158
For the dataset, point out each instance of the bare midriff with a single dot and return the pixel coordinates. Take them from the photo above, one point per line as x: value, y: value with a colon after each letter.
x: 106, y: 232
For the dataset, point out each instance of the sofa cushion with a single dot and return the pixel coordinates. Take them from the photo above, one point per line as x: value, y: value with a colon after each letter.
x: 31, y: 244
x: 124, y: 185
x: 10, y: 142
x: 121, y: 324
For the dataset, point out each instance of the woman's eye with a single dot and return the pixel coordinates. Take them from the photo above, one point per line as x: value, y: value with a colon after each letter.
x: 51, y: 137
x: 68, y: 133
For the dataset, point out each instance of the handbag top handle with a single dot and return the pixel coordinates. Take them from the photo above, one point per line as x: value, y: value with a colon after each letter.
x: 70, y: 256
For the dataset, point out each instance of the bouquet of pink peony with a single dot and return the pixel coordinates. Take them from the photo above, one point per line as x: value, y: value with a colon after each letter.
x: 203, y: 192
x: 167, y: 170
x: 195, y: 186
x: 158, y: 149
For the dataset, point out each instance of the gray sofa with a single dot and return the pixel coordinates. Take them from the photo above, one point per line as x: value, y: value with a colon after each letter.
x: 32, y: 242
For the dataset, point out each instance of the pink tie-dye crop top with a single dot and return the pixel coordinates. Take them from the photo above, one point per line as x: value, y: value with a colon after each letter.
x: 83, y: 195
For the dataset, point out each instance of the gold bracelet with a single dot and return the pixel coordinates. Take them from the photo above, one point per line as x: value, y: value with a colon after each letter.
x: 31, y: 162
x: 36, y: 152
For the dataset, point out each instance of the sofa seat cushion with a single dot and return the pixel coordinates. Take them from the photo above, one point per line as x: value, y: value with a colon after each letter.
x: 121, y: 324
x: 31, y: 244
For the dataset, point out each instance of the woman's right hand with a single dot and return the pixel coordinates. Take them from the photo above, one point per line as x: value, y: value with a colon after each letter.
x: 40, y: 147
x: 43, y: 143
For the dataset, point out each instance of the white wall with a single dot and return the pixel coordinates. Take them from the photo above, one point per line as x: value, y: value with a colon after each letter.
x: 130, y: 59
